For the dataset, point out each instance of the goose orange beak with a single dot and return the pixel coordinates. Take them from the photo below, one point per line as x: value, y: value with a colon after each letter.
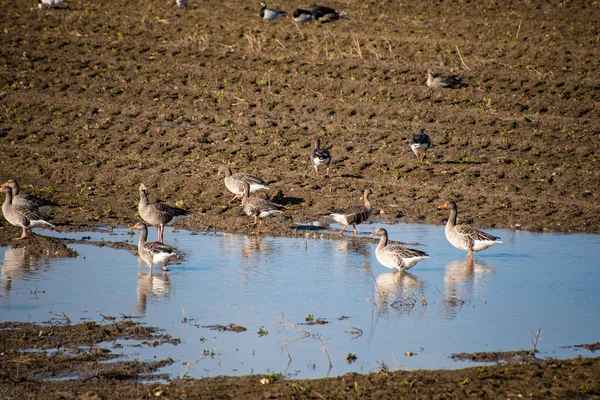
x: 442, y: 207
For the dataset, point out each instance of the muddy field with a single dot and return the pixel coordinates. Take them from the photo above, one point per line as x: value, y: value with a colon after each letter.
x: 97, y: 97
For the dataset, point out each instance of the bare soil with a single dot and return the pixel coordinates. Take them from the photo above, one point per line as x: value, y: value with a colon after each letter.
x: 97, y: 97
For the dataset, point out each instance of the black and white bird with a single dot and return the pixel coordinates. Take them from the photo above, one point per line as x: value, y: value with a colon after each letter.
x: 420, y: 144
x: 352, y: 215
x: 270, y: 14
x: 326, y: 14
x: 153, y: 252
x: 320, y: 156
x: 43, y: 4
x: 438, y: 81
x: 181, y: 3
x: 302, y: 16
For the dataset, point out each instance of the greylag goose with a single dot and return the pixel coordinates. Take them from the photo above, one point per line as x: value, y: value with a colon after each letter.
x: 22, y: 216
x: 158, y: 214
x: 152, y: 252
x: 235, y: 182
x: 301, y: 16
x: 352, y: 215
x: 398, y: 257
x: 438, y: 81
x: 270, y: 14
x: 320, y: 157
x: 465, y: 237
x: 257, y: 207
x: 419, y: 145
x: 28, y: 200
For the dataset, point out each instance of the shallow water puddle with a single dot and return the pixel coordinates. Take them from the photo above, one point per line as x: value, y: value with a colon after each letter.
x: 274, y: 287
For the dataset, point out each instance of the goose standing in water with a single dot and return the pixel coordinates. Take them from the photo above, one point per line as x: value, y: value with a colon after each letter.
x: 235, y: 182
x: 437, y: 81
x: 420, y: 144
x: 28, y: 200
x: 152, y: 252
x: 465, y: 237
x: 257, y: 207
x: 270, y: 14
x: 22, y: 216
x: 352, y: 215
x: 320, y: 157
x: 158, y: 214
x: 398, y: 257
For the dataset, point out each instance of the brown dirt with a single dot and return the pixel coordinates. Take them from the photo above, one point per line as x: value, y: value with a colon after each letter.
x: 96, y: 97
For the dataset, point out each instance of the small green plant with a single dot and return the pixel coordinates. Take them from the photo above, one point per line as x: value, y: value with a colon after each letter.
x: 465, y: 381
x: 350, y: 358
x: 108, y: 210
x: 273, y: 377
x: 356, y: 388
x: 310, y: 318
x: 202, y: 339
x: 297, y: 387
x: 407, y: 384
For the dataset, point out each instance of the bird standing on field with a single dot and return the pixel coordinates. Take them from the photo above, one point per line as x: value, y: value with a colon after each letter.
x: 420, y: 144
x: 235, y: 182
x: 320, y: 156
x: 257, y: 207
x: 22, y: 216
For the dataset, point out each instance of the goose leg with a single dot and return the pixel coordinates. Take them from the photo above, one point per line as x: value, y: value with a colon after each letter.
x: 23, y: 234
x: 354, y: 227
x: 470, y: 256
x: 160, y: 233
x: 237, y: 196
x: 317, y: 170
x: 255, y: 220
x: 327, y: 172
x: 343, y: 229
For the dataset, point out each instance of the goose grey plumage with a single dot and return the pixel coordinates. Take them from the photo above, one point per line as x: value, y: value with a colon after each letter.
x: 398, y: 257
x: 270, y: 14
x: 257, y: 207
x: 28, y: 200
x: 158, y: 214
x: 320, y: 157
x: 437, y: 81
x: 352, y: 215
x: 465, y: 237
x: 22, y: 216
x: 235, y: 182
x: 420, y: 144
x: 153, y: 252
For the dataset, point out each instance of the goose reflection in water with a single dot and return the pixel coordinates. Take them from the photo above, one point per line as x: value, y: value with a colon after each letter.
x: 151, y: 285
x: 18, y: 264
x: 399, y: 289
x: 464, y: 280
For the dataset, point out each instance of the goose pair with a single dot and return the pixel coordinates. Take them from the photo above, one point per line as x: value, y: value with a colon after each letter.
x: 322, y: 14
x: 158, y: 214
x: 438, y: 81
x: 21, y: 215
x: 152, y: 252
x: 352, y: 215
x: 28, y: 200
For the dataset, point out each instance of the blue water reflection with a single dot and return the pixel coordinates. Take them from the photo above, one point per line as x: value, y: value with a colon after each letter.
x: 444, y: 305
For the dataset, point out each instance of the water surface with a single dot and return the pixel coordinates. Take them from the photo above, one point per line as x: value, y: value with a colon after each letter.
x: 442, y: 306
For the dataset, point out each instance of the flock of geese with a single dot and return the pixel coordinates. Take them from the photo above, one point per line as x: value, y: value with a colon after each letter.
x: 27, y: 211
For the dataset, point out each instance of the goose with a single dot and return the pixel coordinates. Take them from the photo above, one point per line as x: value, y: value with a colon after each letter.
x: 320, y: 157
x: 352, y: 215
x: 301, y: 16
x: 22, y: 216
x: 181, y: 3
x: 28, y: 200
x: 257, y: 207
x: 153, y: 252
x: 270, y: 14
x: 235, y: 182
x: 158, y: 214
x: 398, y: 257
x: 419, y: 145
x: 43, y: 4
x: 437, y: 81
x: 326, y: 14
x: 465, y: 237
